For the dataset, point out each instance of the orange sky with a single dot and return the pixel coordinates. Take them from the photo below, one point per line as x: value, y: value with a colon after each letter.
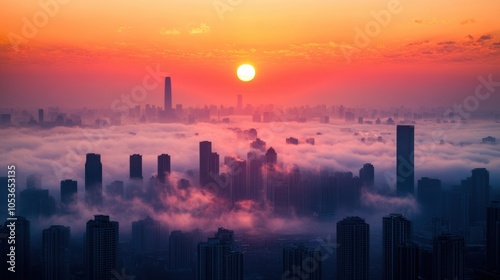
x: 427, y: 52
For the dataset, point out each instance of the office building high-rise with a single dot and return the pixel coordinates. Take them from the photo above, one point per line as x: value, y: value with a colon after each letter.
x: 255, y: 179
x: 22, y: 249
x: 209, y: 163
x: 406, y: 262
x: 429, y: 196
x: 93, y: 180
x: 149, y: 236
x: 69, y: 189
x: 299, y: 257
x: 180, y: 250
x: 4, y: 191
x: 367, y: 175
x: 40, y: 116
x: 478, y: 188
x: 135, y: 166
x: 353, y: 239
x: 396, y: 231
x: 448, y: 257
x: 55, y: 251
x: 101, y: 248
x: 168, y: 94
x: 271, y: 156
x: 163, y: 167
x: 405, y: 166
x: 493, y: 237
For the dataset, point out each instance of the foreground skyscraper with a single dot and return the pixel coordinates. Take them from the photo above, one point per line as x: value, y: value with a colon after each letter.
x: 493, y: 238
x: 353, y: 240
x: 69, y: 189
x: 405, y: 166
x: 149, y: 236
x: 298, y: 257
x: 101, y: 248
x: 396, y: 232
x: 448, y: 257
x: 93, y: 180
x: 163, y: 167
x: 135, y: 166
x: 55, y: 250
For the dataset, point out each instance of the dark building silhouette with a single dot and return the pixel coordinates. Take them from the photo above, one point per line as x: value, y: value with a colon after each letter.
x: 405, y: 166
x: 115, y: 189
x: 306, y: 260
x: 429, y: 196
x: 40, y: 116
x: 367, y: 174
x: 353, y: 239
x: 238, y: 179
x: 406, y: 263
x: 34, y: 203
x: 149, y: 236
x: 93, y: 180
x: 55, y: 251
x: 493, y: 238
x: 135, y: 166
x: 271, y: 156
x: 4, y: 183
x: 218, y: 259
x: 101, y: 248
x: 168, y: 94
x: 396, y: 231
x: 163, y: 167
x: 448, y: 257
x: 69, y: 189
x: 180, y: 250
x: 478, y: 188
x: 209, y: 163
x: 255, y: 179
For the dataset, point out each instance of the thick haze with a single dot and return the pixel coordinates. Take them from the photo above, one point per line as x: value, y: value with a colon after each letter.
x: 59, y: 153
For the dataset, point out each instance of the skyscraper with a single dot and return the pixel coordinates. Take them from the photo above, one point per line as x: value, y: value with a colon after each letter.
x: 135, y: 166
x: 40, y: 116
x: 271, y: 156
x: 69, y: 189
x: 180, y: 250
x: 101, y: 247
x: 405, y: 166
x: 406, y: 265
x: 448, y: 257
x: 55, y: 250
x: 149, y: 236
x: 93, y: 180
x: 367, y: 175
x: 396, y: 231
x: 168, y: 94
x: 4, y: 183
x: 478, y: 187
x: 163, y: 167
x: 255, y: 180
x: 22, y: 249
x: 205, y: 152
x: 493, y: 237
x: 429, y: 196
x: 306, y: 260
x: 353, y: 239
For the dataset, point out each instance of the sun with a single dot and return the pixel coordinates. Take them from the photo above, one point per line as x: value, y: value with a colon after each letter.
x: 246, y: 72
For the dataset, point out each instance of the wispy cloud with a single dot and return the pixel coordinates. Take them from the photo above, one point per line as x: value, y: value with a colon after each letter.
x: 173, y: 31
x: 203, y: 28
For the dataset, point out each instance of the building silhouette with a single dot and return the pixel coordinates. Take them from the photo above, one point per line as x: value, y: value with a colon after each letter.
x: 35, y: 203
x: 218, y: 258
x: 493, y: 238
x: 101, y: 248
x: 149, y: 236
x: 22, y: 252
x: 135, y: 166
x: 181, y: 250
x: 448, y: 257
x: 407, y: 262
x: 69, y: 190
x: 367, y: 175
x: 396, y: 231
x: 353, y: 240
x: 209, y: 163
x: 429, y: 196
x: 271, y: 156
x: 55, y: 251
x: 299, y: 257
x: 478, y: 188
x: 405, y: 168
x: 163, y: 167
x: 168, y: 94
x: 115, y: 189
x: 93, y: 180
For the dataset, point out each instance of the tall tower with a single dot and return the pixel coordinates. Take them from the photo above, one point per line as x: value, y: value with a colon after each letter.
x: 271, y: 156
x: 407, y: 262
x: 163, y: 167
x: 367, y: 174
x: 429, y: 196
x: 101, y: 247
x: 479, y: 190
x: 353, y: 238
x: 93, y: 180
x: 149, y: 235
x: 448, y: 257
x: 298, y: 256
x: 168, y: 94
x: 55, y: 249
x: 135, y: 166
x: 69, y: 189
x: 396, y: 232
x: 209, y: 163
x: 493, y: 237
x: 405, y: 166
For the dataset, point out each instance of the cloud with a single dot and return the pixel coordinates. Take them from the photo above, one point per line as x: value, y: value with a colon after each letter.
x: 484, y: 38
x: 203, y: 28
x: 468, y: 21
x: 174, y: 31
x: 447, y: 43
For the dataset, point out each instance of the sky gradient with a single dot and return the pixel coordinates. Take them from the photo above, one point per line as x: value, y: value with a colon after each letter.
x: 356, y: 53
